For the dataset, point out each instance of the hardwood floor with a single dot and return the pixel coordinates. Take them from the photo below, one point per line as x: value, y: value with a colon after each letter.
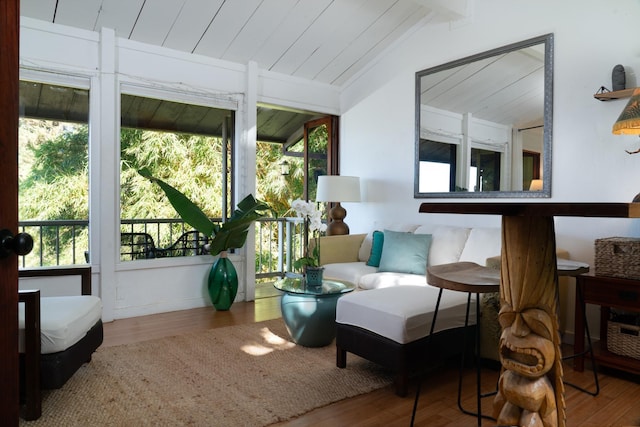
x: 618, y: 403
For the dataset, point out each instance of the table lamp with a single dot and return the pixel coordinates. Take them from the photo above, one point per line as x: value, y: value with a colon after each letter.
x: 536, y: 185
x: 336, y: 188
x: 629, y: 123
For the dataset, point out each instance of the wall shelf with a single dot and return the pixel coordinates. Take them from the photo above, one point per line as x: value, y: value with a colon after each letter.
x: 616, y: 94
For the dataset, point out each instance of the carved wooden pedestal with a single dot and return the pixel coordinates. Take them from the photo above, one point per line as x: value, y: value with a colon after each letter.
x: 531, y: 388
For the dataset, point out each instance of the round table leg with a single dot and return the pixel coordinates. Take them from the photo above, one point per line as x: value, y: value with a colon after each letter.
x: 310, y: 320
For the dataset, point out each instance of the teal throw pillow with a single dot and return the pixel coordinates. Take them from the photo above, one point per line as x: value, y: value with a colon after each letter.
x: 405, y: 252
x: 376, y: 249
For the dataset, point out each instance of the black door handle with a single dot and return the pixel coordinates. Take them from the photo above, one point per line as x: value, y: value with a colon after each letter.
x: 20, y: 244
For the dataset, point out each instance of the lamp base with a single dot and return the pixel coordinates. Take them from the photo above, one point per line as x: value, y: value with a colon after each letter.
x: 337, y: 226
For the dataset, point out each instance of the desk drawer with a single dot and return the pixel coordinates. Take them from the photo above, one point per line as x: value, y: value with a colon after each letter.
x: 612, y: 292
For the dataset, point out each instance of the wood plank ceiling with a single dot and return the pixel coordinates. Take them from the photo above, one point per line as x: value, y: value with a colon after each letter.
x: 327, y: 41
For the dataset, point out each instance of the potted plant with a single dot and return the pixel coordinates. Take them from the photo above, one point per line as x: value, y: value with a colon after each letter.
x: 310, y: 263
x: 223, y: 278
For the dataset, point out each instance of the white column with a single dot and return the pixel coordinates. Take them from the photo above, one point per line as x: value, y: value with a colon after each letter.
x: 105, y: 214
x: 246, y: 173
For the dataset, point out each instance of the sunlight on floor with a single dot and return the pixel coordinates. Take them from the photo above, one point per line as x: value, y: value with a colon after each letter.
x: 272, y: 342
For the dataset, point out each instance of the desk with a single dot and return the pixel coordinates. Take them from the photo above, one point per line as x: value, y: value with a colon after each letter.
x: 530, y: 343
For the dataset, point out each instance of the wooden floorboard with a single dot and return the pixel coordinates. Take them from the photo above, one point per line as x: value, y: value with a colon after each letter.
x: 617, y: 405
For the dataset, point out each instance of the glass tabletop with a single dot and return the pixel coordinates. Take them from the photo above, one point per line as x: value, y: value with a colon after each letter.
x: 297, y: 285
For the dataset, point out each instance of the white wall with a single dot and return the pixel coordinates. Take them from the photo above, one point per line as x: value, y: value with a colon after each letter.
x: 589, y: 163
x: 152, y: 286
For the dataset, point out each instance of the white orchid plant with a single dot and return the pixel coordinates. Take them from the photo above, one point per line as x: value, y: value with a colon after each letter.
x: 313, y: 221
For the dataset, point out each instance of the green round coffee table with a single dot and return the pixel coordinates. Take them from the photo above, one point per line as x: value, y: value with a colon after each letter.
x: 310, y: 313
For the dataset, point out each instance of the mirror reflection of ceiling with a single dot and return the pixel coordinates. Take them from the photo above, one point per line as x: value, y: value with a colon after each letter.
x: 502, y: 89
x: 52, y: 102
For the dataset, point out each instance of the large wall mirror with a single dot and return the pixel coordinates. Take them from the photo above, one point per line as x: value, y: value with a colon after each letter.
x: 484, y: 124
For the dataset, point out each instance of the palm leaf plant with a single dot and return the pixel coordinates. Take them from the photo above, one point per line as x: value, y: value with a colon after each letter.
x: 232, y: 234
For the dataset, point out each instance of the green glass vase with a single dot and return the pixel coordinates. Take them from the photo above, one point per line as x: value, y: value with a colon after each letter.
x: 223, y: 283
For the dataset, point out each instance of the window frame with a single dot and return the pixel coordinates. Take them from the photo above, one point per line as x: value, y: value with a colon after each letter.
x: 178, y: 95
x: 86, y: 82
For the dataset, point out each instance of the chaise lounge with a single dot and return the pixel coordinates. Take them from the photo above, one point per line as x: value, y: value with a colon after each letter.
x: 387, y: 319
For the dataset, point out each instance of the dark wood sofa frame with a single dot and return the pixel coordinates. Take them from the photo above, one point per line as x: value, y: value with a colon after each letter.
x: 404, y: 360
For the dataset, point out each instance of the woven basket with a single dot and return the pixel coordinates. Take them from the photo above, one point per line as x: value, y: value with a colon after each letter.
x: 623, y: 339
x: 618, y: 257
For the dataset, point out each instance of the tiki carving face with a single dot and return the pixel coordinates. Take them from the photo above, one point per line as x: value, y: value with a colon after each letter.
x: 526, y: 343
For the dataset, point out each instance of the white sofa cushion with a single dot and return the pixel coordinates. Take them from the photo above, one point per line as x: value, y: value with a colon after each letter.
x: 482, y: 243
x: 389, y: 279
x: 447, y: 243
x: 349, y: 271
x: 404, y: 313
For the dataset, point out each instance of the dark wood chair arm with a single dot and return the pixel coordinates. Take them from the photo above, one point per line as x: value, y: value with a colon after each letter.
x: 32, y: 407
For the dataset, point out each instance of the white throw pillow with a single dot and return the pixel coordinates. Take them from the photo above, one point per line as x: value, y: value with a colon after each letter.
x: 447, y: 244
x: 483, y: 243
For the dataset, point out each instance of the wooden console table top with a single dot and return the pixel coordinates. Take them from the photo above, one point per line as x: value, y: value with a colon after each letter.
x: 602, y: 210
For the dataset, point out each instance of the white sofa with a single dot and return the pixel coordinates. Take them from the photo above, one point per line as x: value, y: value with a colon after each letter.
x: 390, y: 326
x: 345, y: 257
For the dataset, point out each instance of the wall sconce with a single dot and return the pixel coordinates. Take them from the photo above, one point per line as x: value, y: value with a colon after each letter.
x: 285, y: 168
x: 629, y: 123
x: 336, y: 188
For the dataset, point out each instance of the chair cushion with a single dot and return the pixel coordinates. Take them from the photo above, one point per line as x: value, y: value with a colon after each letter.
x: 403, y: 313
x: 64, y: 321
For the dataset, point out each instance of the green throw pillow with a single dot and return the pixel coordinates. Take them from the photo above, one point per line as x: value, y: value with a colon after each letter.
x: 376, y: 249
x: 405, y: 252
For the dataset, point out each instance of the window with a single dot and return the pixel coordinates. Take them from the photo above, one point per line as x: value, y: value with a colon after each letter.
x: 53, y: 163
x: 190, y: 147
x: 437, y: 166
x: 485, y: 170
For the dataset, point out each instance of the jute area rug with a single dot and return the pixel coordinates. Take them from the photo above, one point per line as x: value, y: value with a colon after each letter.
x: 247, y: 375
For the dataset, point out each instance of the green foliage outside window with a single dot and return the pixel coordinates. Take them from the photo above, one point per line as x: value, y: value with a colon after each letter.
x: 54, y: 180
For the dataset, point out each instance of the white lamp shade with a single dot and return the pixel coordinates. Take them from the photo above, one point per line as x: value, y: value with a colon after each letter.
x: 337, y: 188
x: 536, y: 185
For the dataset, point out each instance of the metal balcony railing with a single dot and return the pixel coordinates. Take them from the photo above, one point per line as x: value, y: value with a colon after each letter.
x: 279, y: 241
